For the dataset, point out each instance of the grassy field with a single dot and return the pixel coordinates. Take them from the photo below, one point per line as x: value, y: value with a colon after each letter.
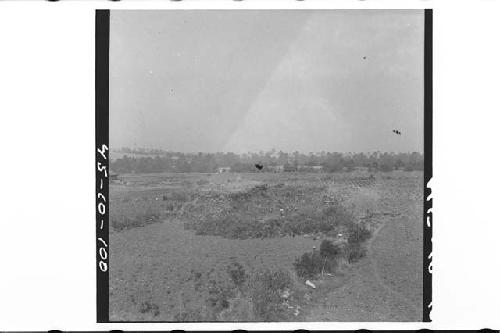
x: 222, y: 247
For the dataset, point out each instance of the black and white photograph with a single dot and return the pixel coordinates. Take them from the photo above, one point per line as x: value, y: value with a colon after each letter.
x: 266, y: 166
x: 222, y: 165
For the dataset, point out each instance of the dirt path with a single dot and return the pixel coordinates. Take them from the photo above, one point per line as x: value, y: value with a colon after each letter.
x: 377, y: 276
x: 396, y: 257
x: 384, y: 286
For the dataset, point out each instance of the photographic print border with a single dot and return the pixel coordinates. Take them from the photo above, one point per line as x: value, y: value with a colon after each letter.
x: 427, y: 223
x: 102, y: 162
x: 102, y: 36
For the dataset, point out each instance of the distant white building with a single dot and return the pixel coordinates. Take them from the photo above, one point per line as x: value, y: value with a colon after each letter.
x: 310, y: 168
x: 223, y: 169
x: 317, y: 168
x: 275, y: 168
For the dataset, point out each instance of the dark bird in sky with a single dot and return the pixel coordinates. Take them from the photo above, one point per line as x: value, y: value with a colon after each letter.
x: 259, y: 166
x: 396, y: 132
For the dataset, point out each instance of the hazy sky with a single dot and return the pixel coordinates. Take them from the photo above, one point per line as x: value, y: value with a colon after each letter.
x: 255, y: 80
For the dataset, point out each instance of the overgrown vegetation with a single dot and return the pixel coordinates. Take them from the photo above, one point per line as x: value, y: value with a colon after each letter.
x: 263, y: 295
x: 285, y: 205
x: 329, y: 250
x: 246, y: 215
x: 149, y: 307
x: 135, y: 210
x: 267, y: 290
x: 214, y: 290
x: 354, y: 252
x: 311, y: 264
x: 126, y: 223
x: 355, y: 248
x: 142, y: 215
x: 237, y: 273
x: 358, y: 234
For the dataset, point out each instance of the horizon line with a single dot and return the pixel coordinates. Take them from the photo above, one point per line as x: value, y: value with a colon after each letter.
x: 148, y: 150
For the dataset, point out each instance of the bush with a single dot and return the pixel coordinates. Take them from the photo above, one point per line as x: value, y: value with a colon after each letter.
x: 266, y: 289
x: 240, y: 216
x: 202, y: 182
x: 308, y: 265
x: 386, y: 167
x: 230, y: 294
x: 311, y: 264
x: 218, y: 296
x: 133, y: 213
x: 328, y: 250
x: 149, y: 307
x: 240, y: 309
x: 237, y: 273
x: 229, y: 225
x: 358, y: 234
x: 313, y: 221
x: 125, y: 223
x: 169, y: 206
x: 337, y: 214
x: 354, y: 252
x: 176, y: 196
x: 189, y: 315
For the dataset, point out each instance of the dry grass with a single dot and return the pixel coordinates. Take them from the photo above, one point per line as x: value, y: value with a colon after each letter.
x: 132, y: 209
x: 164, y: 271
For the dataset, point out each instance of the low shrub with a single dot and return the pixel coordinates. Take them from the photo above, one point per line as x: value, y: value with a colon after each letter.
x: 386, y: 167
x: 240, y: 309
x: 176, y: 196
x: 202, y: 182
x: 149, y: 307
x: 235, y: 226
x: 307, y: 265
x: 266, y: 290
x: 328, y: 249
x: 408, y: 168
x: 242, y: 215
x: 354, y: 252
x: 237, y: 273
x: 125, y: 223
x: 311, y: 264
x: 217, y: 294
x: 134, y: 212
x: 169, y: 206
x: 301, y: 223
x: 337, y: 210
x: 189, y: 315
x: 358, y: 234
x: 230, y: 294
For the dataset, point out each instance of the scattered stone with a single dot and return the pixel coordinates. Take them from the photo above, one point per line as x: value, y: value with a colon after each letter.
x: 297, y: 311
x: 310, y: 284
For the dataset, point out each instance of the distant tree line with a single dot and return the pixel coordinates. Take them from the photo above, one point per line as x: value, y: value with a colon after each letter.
x: 151, y: 161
